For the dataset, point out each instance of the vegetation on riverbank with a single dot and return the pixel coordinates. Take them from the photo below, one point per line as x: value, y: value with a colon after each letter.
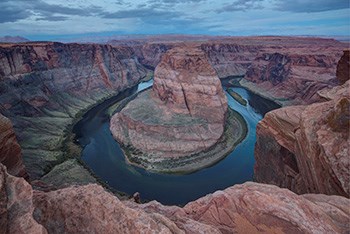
x: 237, y: 97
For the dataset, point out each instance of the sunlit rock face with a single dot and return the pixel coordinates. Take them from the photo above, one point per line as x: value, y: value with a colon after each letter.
x: 183, y: 114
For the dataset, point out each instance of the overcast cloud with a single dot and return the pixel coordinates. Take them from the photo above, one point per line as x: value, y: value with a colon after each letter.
x: 45, y: 19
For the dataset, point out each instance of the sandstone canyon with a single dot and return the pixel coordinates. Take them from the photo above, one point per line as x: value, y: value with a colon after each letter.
x: 302, y: 149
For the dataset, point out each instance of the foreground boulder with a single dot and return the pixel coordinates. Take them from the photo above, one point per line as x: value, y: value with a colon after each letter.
x: 184, y: 114
x: 247, y: 208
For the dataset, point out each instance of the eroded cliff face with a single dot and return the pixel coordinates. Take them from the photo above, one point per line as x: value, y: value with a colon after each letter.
x: 45, y: 85
x: 306, y: 148
x: 289, y: 77
x: 231, y: 59
x: 10, y: 151
x: 243, y: 208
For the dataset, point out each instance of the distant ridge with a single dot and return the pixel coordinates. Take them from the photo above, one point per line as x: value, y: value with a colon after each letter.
x: 15, y: 39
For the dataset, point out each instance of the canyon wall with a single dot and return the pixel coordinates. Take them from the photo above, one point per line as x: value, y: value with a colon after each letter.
x: 44, y: 86
x: 306, y: 148
x: 243, y: 208
x: 287, y: 70
x: 290, y: 77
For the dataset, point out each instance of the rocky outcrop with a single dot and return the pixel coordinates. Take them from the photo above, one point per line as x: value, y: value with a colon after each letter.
x: 44, y: 86
x: 16, y: 205
x: 243, y: 208
x: 306, y: 148
x: 183, y: 115
x: 10, y: 151
x: 343, y: 73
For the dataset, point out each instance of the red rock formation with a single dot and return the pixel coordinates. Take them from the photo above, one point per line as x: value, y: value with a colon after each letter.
x: 186, y: 83
x: 247, y: 208
x: 306, y: 148
x: 33, y: 73
x: 183, y: 115
x: 10, y: 151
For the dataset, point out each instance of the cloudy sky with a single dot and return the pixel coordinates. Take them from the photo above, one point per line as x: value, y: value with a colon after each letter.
x: 53, y: 19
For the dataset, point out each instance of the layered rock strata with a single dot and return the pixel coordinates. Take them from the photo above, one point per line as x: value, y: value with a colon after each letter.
x: 183, y: 115
x: 44, y: 86
x: 288, y: 70
x: 247, y: 208
x: 306, y: 148
x: 289, y: 77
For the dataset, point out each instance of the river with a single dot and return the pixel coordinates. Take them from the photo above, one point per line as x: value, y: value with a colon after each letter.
x: 103, y: 155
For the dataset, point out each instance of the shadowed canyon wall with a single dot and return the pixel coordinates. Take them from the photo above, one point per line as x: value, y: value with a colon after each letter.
x: 44, y: 86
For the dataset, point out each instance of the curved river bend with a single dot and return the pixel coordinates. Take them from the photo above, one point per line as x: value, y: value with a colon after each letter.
x: 103, y: 155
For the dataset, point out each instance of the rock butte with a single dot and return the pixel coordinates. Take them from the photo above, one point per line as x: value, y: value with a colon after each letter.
x: 184, y: 114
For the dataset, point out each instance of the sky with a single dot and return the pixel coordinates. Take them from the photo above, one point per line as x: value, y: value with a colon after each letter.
x: 57, y: 19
